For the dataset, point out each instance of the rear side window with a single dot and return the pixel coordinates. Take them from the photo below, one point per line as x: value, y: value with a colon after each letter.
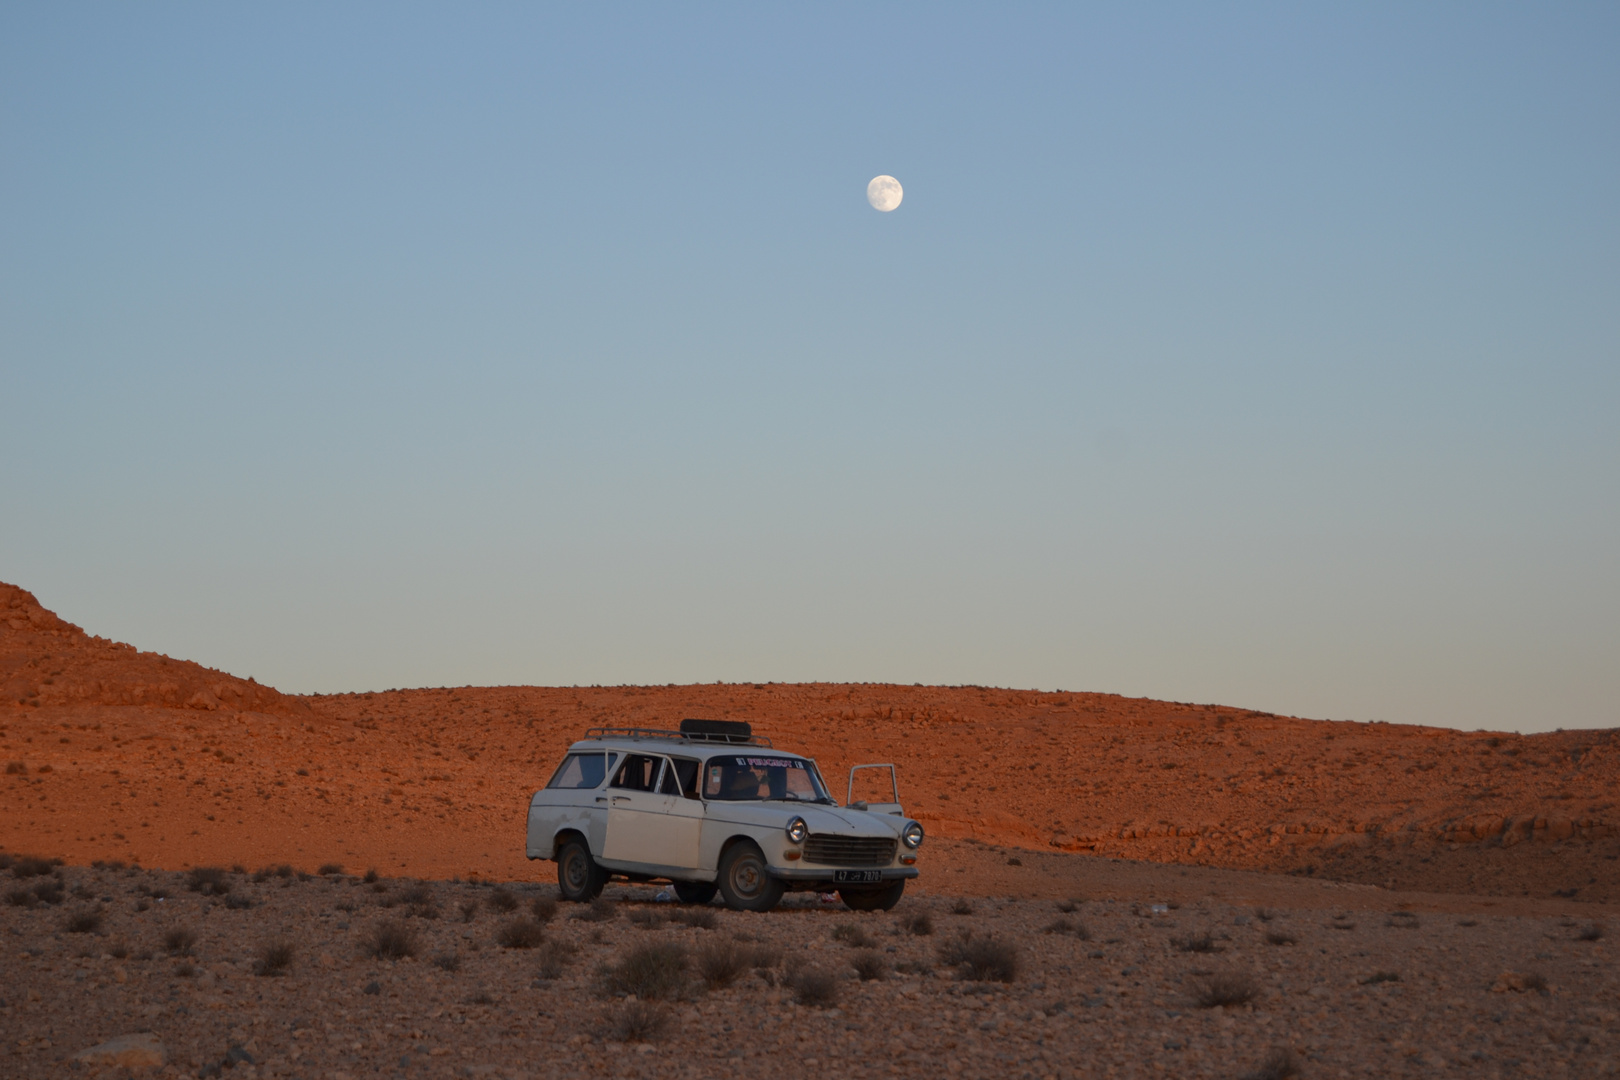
x: 638, y: 773
x: 580, y: 771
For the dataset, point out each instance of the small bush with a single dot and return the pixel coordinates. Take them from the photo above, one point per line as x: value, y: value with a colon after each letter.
x: 646, y: 918
x: 869, y: 965
x: 185, y: 969
x: 119, y: 951
x: 544, y: 909
x: 655, y: 970
x: 84, y: 922
x: 275, y: 958
x: 179, y: 941
x: 389, y: 940
x: 417, y: 893
x: 921, y: 924
x: 371, y: 876
x: 600, y: 910
x: 23, y: 898
x: 1281, y: 1064
x: 239, y: 903
x: 1536, y: 981
x: 1264, y: 914
x: 1196, y: 943
x: 815, y: 988
x: 962, y: 907
x: 521, y: 934
x: 983, y: 959
x: 16, y: 768
x: 447, y: 961
x: 469, y: 910
x: 1278, y: 937
x: 48, y: 891
x: 1402, y: 920
x: 698, y: 918
x: 328, y: 869
x: 503, y: 901
x: 1224, y: 989
x: 555, y: 956
x: 208, y: 880
x: 763, y: 957
x: 852, y: 935
x: 1068, y: 907
x: 1381, y: 977
x: 1065, y: 926
x: 26, y: 866
x: 1590, y: 932
x: 720, y: 963
x: 635, y: 1021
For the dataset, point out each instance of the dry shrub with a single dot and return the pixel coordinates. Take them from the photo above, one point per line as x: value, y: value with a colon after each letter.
x: 521, y: 934
x: 1278, y: 937
x: 720, y: 963
x: 371, y: 876
x: 921, y: 924
x: 646, y: 918
x: 185, y: 970
x: 503, y: 901
x: 84, y: 922
x: 655, y: 970
x: 26, y: 866
x: 1402, y: 920
x: 1381, y: 977
x: 48, y: 891
x: 328, y: 869
x: 869, y: 965
x: 1065, y: 926
x: 1068, y: 907
x: 814, y: 988
x: 16, y: 768
x: 275, y: 958
x: 23, y: 898
x: 208, y: 880
x: 235, y: 902
x: 852, y: 935
x: 389, y: 940
x: 469, y: 910
x: 555, y: 956
x: 179, y: 941
x: 1264, y: 914
x: 1196, y: 943
x: 635, y: 1021
x: 1225, y: 988
x: 544, y: 909
x: 447, y: 961
x: 982, y: 959
x: 1590, y: 932
x: 600, y: 910
x: 962, y: 907
x: 1281, y: 1064
x: 699, y: 918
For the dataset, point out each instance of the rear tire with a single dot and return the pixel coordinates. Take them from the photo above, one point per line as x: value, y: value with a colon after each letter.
x: 578, y: 876
x: 695, y: 892
x: 882, y: 899
x: 745, y: 879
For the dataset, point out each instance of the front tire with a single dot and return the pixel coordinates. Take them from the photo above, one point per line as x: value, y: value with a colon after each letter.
x: 695, y: 892
x: 578, y: 876
x: 882, y: 899
x: 745, y: 879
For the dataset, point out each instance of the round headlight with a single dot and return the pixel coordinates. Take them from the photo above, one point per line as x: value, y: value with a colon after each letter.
x: 912, y: 834
x: 797, y: 830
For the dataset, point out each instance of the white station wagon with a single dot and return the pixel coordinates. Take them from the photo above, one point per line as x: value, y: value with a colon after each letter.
x: 713, y: 808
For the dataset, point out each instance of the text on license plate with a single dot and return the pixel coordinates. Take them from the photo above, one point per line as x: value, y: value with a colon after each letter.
x: 857, y: 875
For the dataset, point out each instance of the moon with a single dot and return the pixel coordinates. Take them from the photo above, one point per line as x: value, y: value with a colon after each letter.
x: 884, y: 193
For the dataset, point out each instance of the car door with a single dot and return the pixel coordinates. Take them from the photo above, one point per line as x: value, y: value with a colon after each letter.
x: 652, y: 825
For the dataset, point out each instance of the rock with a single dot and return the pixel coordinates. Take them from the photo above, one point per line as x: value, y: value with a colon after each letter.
x: 373, y: 988
x: 141, y: 1050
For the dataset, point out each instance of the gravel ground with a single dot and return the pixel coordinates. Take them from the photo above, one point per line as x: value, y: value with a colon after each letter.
x: 1104, y: 987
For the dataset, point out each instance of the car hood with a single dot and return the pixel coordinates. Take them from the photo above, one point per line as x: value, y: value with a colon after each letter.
x: 842, y: 821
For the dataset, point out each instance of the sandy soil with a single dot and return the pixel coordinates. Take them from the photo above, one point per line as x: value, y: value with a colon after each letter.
x: 1447, y: 893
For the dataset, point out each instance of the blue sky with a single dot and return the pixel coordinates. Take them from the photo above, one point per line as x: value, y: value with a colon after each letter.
x: 1258, y: 354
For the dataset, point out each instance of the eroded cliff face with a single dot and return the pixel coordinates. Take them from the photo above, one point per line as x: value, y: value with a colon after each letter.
x: 47, y: 661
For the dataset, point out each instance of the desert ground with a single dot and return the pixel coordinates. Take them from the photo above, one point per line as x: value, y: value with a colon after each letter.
x: 334, y: 886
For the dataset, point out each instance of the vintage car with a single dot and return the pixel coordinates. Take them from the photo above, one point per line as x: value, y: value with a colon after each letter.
x: 713, y: 807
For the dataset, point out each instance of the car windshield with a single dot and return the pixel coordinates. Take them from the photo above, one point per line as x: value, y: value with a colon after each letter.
x: 739, y: 778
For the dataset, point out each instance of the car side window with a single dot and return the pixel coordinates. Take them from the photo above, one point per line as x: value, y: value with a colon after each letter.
x: 580, y: 771
x: 638, y: 773
x: 686, y: 771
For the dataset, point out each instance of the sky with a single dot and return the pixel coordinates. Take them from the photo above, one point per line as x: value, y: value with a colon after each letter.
x: 1260, y: 354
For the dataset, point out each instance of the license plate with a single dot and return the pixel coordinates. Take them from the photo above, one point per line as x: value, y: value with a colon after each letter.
x: 846, y: 876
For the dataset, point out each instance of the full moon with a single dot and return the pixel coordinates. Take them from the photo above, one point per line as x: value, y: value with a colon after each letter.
x: 884, y: 193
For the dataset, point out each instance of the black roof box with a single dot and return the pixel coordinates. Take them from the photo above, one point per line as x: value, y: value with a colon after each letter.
x: 736, y: 729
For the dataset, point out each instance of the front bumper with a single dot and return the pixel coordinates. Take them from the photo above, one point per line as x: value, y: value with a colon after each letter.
x: 799, y: 874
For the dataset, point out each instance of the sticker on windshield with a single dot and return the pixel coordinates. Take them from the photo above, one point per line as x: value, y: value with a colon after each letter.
x: 770, y: 763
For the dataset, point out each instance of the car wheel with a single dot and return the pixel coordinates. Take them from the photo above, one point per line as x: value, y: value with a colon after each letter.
x: 873, y: 899
x: 695, y: 892
x: 578, y: 876
x: 745, y: 880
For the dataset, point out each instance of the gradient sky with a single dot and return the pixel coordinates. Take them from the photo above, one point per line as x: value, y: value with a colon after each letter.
x: 1256, y: 354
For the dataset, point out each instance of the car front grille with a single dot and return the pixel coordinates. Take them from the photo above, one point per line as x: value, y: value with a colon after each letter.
x: 849, y: 850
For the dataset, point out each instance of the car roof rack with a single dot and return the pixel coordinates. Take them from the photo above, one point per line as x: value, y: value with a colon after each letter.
x: 724, y: 738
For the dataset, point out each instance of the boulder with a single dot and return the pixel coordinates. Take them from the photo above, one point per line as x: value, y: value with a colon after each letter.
x: 141, y: 1050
